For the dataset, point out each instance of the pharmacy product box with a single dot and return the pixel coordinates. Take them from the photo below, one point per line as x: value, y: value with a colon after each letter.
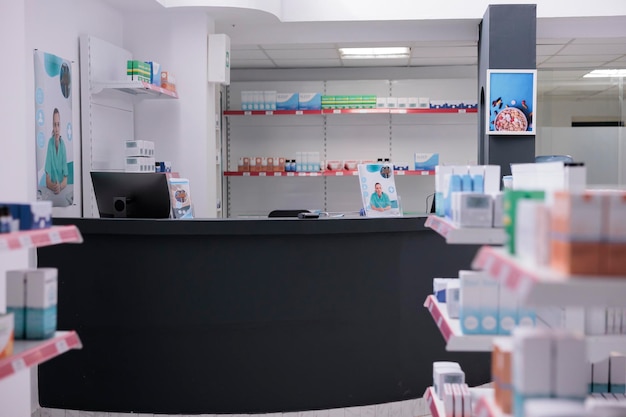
x: 155, y: 72
x: 168, y: 81
x: 511, y: 197
x: 35, y: 215
x: 269, y: 100
x: 470, y: 301
x: 501, y: 372
x: 41, y: 303
x: 392, y: 102
x: 309, y: 101
x: 426, y: 161
x: 163, y: 166
x: 381, y: 102
x: 139, y: 148
x: 140, y: 164
x: 138, y: 71
x: 532, y: 366
x: 423, y: 102
x: 577, y: 216
x: 570, y: 366
x: 403, y: 102
x: 287, y: 101
x: 6, y: 335
x: 16, y: 299
x: 617, y: 370
x: 413, y: 102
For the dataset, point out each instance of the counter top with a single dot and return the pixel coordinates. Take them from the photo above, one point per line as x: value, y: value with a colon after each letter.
x: 273, y: 226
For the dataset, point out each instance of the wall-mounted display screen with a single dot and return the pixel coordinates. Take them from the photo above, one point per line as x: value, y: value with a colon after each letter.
x: 511, y: 100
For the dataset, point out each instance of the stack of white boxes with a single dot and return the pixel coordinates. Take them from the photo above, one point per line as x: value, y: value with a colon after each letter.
x: 140, y: 156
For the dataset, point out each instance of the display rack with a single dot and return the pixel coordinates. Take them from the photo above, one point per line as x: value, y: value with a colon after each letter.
x: 343, y: 173
x: 40, y: 237
x: 456, y: 235
x: 435, y: 405
x: 344, y: 111
x: 450, y: 329
x: 137, y: 88
x: 29, y: 353
x: 541, y: 286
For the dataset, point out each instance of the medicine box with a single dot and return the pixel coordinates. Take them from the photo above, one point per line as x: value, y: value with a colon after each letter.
x: 139, y: 148
x: 287, y: 101
x: 140, y: 164
x: 35, y: 215
x: 309, y: 101
x: 138, y: 71
x: 16, y: 300
x: 6, y: 335
x: 426, y: 161
x: 41, y: 303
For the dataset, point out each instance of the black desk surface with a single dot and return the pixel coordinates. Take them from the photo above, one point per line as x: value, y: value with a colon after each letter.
x: 249, y: 316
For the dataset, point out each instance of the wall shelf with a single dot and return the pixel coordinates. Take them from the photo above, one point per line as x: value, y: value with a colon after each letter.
x: 40, y: 237
x: 542, y: 286
x: 343, y: 173
x: 344, y: 111
x: 28, y: 353
x: 456, y: 235
x: 137, y: 88
x: 450, y: 329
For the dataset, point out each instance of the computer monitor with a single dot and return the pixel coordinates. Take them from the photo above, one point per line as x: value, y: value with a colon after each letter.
x: 132, y: 194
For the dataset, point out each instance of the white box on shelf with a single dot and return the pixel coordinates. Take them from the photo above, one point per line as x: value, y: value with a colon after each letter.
x: 16, y: 299
x: 41, y: 303
x: 617, y: 371
x: 488, y: 305
x: 453, y: 294
x: 532, y: 365
x: 507, y: 310
x: 470, y: 306
x: 570, y: 366
x: 600, y: 376
x: 219, y: 59
x: 140, y: 164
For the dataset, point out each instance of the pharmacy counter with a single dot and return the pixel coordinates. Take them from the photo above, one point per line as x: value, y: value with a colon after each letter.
x: 249, y: 316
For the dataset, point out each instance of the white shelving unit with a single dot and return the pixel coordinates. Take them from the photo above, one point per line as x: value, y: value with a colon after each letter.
x: 108, y: 102
x: 456, y: 235
x: 450, y: 329
x: 338, y: 134
x: 542, y: 286
x: 29, y: 353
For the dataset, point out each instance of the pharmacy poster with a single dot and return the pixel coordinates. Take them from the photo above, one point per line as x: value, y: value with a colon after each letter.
x: 54, y: 129
x: 378, y: 190
x: 511, y: 101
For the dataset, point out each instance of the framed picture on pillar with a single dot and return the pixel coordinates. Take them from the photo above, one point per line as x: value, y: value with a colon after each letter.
x: 511, y: 100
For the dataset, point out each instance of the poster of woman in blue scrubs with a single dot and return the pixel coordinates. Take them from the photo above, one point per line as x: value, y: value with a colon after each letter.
x: 54, y: 129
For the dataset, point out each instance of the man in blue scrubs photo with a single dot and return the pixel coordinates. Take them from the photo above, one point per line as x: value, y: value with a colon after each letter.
x: 379, y: 200
x: 56, y: 157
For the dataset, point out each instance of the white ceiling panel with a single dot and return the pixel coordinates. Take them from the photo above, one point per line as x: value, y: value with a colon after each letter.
x: 593, y: 60
x: 249, y: 54
x: 600, y: 41
x: 375, y: 62
x: 308, y: 63
x: 309, y: 54
x: 449, y: 51
x: 444, y: 61
x: 548, y: 49
x: 251, y: 63
x: 589, y: 49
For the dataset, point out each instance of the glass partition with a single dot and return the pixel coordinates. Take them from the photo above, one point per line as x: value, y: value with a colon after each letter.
x: 584, y: 118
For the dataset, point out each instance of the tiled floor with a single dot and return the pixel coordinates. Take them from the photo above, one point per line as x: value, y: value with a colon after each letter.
x: 409, y: 408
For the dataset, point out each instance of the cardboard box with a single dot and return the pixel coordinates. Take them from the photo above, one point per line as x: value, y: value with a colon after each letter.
x: 41, y: 303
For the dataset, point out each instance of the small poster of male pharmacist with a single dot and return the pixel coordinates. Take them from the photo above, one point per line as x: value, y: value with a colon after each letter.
x: 378, y: 190
x: 54, y: 130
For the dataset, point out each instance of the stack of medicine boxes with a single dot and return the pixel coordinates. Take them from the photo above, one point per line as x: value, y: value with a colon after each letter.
x: 139, y: 156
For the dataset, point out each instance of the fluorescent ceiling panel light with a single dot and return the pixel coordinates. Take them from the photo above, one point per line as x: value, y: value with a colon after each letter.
x: 606, y: 73
x: 369, y: 53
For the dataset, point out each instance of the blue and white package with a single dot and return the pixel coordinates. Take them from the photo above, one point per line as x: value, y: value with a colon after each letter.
x: 426, y: 161
x: 309, y: 101
x: 35, y: 215
x: 41, y: 303
x: 287, y: 101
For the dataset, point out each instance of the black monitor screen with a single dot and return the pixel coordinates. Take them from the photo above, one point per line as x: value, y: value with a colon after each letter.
x: 132, y: 194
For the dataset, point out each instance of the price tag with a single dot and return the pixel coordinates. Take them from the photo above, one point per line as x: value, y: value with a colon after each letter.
x: 269, y: 112
x: 55, y: 236
x: 18, y: 365
x: 430, y: 306
x: 246, y: 174
x: 247, y: 113
x: 26, y: 241
x: 299, y: 112
x: 425, y: 173
x: 278, y: 174
x: 314, y: 174
x: 399, y: 172
x: 302, y: 174
x: 336, y: 111
x: 401, y: 111
x: 462, y: 111
x: 355, y: 172
x: 291, y: 174
x: 62, y: 346
x: 339, y: 173
x: 362, y: 111
x: 439, y: 321
x: 262, y: 174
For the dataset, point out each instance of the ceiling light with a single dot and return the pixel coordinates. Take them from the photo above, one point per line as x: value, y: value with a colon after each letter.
x: 375, y: 53
x: 606, y: 73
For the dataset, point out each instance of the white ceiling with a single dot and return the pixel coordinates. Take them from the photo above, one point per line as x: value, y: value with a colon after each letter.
x: 567, y: 48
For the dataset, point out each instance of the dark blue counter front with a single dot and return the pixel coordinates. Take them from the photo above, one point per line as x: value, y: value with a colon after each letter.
x: 249, y: 316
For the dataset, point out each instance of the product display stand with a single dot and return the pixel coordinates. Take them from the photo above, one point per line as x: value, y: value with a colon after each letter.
x: 29, y: 353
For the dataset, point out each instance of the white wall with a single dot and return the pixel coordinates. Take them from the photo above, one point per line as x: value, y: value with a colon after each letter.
x: 180, y: 129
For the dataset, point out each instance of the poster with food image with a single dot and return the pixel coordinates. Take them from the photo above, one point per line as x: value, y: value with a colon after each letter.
x: 511, y: 100
x: 181, y: 198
